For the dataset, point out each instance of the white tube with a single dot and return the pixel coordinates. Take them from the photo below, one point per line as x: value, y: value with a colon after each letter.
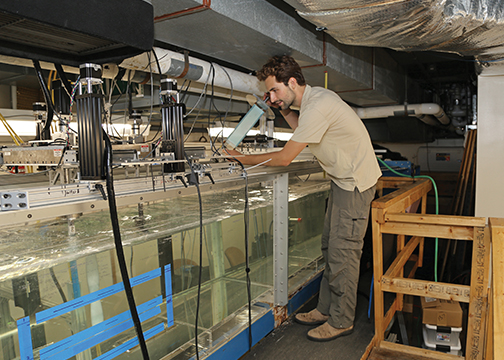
x: 417, y: 110
x: 240, y: 81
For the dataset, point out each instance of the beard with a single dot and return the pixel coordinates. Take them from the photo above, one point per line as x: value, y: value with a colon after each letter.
x: 289, y: 99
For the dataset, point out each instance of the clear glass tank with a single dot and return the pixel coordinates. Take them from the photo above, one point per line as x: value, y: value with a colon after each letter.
x: 45, y: 266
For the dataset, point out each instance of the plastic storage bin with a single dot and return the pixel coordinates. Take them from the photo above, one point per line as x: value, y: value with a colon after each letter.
x: 445, y: 346
x: 442, y: 335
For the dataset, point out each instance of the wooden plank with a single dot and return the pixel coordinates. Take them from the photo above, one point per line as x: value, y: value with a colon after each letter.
x: 378, y: 272
x: 404, y: 195
x: 391, y: 182
x: 476, y: 324
x: 414, y: 353
x: 489, y: 338
x: 402, y: 258
x: 436, y: 219
x: 390, y: 314
x: 472, y: 145
x: 432, y: 289
x: 459, y: 178
x: 497, y: 232
x: 369, y: 348
x: 400, y: 246
x: 424, y: 230
x: 423, y: 210
x: 413, y: 270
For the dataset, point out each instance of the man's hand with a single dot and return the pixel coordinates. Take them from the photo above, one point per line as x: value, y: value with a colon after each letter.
x: 266, y: 99
x: 232, y: 153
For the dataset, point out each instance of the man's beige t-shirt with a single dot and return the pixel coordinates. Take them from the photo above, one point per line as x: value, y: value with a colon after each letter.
x: 338, y: 138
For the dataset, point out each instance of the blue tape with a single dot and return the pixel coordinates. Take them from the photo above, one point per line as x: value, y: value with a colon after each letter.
x: 169, y: 302
x: 92, y: 297
x: 98, y: 333
x: 25, y: 340
x: 130, y: 343
x: 98, y: 338
x: 75, y: 279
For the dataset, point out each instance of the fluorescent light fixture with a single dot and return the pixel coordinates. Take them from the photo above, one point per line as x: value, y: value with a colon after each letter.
x: 20, y: 127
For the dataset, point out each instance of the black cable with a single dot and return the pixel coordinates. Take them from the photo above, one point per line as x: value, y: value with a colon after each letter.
x: 247, y: 265
x: 186, y: 91
x: 154, y: 137
x: 157, y: 62
x: 58, y: 286
x: 212, y: 144
x: 119, y: 247
x: 193, y: 180
x: 64, y: 79
x: 47, y: 96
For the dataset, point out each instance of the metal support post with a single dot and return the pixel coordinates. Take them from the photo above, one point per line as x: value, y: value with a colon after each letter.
x: 281, y: 244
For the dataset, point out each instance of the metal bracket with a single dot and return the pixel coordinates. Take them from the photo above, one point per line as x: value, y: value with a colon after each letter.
x: 14, y: 200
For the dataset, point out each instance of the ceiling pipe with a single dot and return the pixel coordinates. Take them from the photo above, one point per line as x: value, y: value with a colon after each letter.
x: 205, y: 6
x: 174, y: 64
x: 429, y: 113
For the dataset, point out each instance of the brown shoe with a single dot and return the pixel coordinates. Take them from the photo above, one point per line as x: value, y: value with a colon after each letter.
x: 326, y: 332
x: 313, y: 317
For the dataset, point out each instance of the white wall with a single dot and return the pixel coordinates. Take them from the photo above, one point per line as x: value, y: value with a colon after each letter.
x: 490, y: 147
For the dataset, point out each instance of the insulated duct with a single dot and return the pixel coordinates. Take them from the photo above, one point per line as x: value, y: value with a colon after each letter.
x: 172, y: 64
x: 175, y: 65
x: 463, y: 27
x: 428, y: 113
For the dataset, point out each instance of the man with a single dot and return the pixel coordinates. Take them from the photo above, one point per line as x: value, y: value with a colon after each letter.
x: 339, y: 140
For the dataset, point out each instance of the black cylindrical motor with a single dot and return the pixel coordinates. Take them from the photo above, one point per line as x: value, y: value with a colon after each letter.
x: 89, y: 123
x: 91, y: 145
x: 172, y: 116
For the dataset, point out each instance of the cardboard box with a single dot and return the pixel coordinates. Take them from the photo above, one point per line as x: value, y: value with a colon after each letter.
x: 441, y: 312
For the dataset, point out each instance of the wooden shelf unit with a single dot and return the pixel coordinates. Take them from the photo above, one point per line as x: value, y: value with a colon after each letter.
x: 390, y: 216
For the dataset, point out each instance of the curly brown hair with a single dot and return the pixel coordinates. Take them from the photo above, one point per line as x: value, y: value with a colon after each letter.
x: 282, y: 68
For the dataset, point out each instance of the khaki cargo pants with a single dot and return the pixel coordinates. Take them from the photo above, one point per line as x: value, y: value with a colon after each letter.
x: 342, y: 240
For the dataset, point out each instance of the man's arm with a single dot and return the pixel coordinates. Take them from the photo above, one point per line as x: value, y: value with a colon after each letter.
x: 291, y: 117
x: 278, y: 158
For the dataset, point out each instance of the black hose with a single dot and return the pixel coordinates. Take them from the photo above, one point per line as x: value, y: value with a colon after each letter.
x: 64, y: 79
x: 47, y: 96
x: 119, y: 247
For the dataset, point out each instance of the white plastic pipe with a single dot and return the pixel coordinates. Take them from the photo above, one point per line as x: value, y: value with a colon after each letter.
x: 421, y: 111
x: 240, y: 81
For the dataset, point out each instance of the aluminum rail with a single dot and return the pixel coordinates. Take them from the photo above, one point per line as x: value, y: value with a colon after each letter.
x: 49, y: 202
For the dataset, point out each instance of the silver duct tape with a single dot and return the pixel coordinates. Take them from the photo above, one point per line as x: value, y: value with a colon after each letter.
x: 463, y: 27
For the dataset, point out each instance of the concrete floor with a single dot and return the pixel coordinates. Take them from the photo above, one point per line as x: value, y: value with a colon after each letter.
x: 289, y: 340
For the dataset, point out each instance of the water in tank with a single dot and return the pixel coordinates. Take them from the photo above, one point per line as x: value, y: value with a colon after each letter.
x: 60, y: 286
